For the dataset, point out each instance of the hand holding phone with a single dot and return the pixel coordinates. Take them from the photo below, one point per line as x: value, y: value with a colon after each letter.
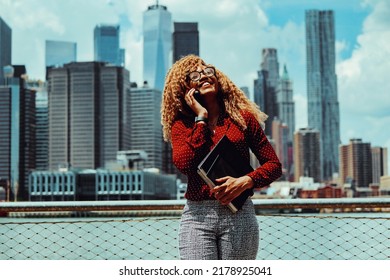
x: 194, y: 101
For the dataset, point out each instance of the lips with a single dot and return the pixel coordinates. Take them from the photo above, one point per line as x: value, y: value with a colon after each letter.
x: 205, y: 84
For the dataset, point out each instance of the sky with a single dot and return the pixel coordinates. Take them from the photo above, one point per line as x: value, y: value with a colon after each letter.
x: 232, y: 35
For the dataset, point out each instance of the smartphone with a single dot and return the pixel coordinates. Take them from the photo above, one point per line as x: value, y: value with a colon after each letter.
x: 197, y: 95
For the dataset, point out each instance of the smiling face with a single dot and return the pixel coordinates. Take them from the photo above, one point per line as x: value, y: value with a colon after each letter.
x: 204, y: 80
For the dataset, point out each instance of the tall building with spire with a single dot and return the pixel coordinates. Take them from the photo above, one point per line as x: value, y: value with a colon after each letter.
x: 5, y: 47
x: 157, y: 31
x: 286, y: 114
x: 322, y: 97
x: 286, y: 105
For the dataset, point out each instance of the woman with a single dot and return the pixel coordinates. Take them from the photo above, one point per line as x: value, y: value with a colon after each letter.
x: 200, y: 105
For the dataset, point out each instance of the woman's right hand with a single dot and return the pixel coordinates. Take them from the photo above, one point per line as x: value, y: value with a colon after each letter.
x: 194, y: 104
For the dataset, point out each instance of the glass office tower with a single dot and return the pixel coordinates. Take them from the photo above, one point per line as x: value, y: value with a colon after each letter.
x: 5, y: 47
x: 323, y: 106
x: 157, y: 30
x: 17, y: 131
x: 59, y: 52
x: 106, y: 45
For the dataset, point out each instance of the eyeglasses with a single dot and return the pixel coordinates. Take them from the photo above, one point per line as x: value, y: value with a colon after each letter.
x: 195, y: 75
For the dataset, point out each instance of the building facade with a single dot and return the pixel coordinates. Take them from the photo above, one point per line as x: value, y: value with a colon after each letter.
x: 286, y: 105
x: 356, y: 164
x: 57, y: 53
x: 145, y: 125
x: 41, y: 124
x: 5, y: 47
x: 52, y: 186
x: 88, y: 114
x: 266, y: 86
x: 157, y: 31
x: 286, y: 113
x: 92, y: 185
x: 379, y: 163
x: 106, y: 45
x: 259, y: 87
x: 322, y: 97
x: 307, y: 154
x: 280, y: 133
x: 185, y: 39
x: 17, y: 131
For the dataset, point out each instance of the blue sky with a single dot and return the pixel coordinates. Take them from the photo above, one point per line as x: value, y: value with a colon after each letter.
x: 349, y: 16
x: 232, y: 35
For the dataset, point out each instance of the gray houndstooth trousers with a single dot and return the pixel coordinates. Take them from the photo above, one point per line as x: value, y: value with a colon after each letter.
x: 210, y: 231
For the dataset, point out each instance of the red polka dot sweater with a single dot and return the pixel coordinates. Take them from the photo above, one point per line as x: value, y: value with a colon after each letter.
x: 192, y: 141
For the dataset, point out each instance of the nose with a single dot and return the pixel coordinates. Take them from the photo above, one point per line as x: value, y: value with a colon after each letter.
x: 202, y: 74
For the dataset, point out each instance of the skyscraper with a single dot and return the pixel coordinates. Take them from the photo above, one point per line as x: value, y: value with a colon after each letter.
x: 157, y: 30
x: 356, y: 163
x: 58, y: 53
x: 5, y: 47
x: 17, y: 131
x: 259, y: 88
x: 145, y: 124
x: 280, y: 133
x: 41, y: 124
x: 106, y: 45
x: 286, y: 106
x: 379, y: 163
x: 307, y: 154
x: 323, y: 106
x: 88, y: 121
x: 185, y: 39
x: 266, y: 86
x: 286, y: 113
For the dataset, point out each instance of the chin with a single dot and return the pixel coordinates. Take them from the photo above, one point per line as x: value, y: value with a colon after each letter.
x: 208, y: 90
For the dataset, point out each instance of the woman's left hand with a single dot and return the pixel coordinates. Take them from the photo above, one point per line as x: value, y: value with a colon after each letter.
x: 229, y: 188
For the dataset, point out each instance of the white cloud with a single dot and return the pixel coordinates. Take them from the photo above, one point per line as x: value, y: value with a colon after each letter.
x: 363, y: 79
x: 31, y: 16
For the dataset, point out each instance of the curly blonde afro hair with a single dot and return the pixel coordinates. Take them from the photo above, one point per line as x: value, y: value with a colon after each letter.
x: 176, y: 86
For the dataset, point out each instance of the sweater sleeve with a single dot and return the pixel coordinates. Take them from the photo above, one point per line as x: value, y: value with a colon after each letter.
x: 271, y: 168
x: 190, y: 143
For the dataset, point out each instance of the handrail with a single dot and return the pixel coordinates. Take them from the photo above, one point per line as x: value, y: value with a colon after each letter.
x: 139, y: 205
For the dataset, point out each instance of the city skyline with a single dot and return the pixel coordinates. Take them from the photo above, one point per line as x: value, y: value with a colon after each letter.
x: 361, y: 29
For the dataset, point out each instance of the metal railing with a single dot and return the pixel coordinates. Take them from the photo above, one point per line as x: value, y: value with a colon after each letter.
x: 149, y: 229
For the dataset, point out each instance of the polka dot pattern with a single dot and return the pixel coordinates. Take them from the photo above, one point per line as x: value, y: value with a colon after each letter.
x: 192, y: 141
